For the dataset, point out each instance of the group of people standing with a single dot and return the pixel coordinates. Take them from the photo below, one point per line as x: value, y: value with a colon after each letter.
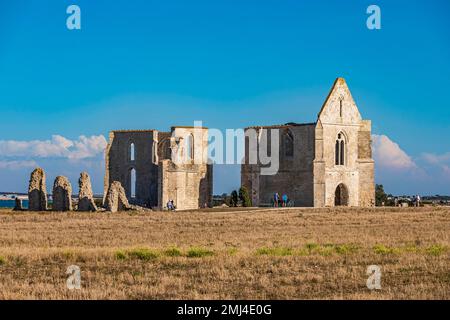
x: 280, y: 201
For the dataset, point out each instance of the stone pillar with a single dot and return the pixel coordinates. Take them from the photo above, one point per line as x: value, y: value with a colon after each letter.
x: 106, y: 181
x: 85, y: 196
x: 116, y: 199
x: 319, y: 187
x: 163, y: 182
x: 37, y: 191
x: 62, y: 194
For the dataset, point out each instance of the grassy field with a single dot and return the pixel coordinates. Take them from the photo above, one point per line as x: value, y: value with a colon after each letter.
x: 256, y: 254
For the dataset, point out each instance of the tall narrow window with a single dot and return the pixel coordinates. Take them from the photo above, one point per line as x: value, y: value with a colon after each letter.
x: 340, y: 107
x: 339, y: 157
x: 336, y: 156
x: 288, y: 143
x: 189, y: 147
x: 132, y: 152
x: 133, y: 183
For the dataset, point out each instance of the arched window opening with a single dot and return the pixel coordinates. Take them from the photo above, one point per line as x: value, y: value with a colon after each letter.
x: 336, y: 159
x: 339, y: 157
x: 189, y: 147
x: 132, y: 151
x: 164, y: 151
x: 288, y: 144
x: 133, y: 183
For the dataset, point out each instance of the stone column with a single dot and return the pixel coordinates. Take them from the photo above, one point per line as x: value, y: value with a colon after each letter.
x: 37, y: 191
x: 62, y: 194
x: 85, y: 196
x: 116, y: 200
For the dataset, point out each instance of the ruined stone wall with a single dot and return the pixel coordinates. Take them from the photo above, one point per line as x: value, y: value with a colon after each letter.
x: 37, y: 191
x: 250, y: 180
x: 295, y: 174
x: 347, y: 174
x: 312, y: 176
x: 319, y: 168
x: 159, y: 175
x: 340, y: 116
x: 119, y: 164
x: 62, y: 194
x: 366, y: 166
x: 164, y: 151
x: 187, y: 180
x: 189, y: 186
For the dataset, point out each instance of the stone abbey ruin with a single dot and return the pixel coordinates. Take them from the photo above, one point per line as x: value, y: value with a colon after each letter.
x: 154, y: 167
x: 325, y: 163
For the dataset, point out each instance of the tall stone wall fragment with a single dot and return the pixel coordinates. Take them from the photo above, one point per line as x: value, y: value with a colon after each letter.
x: 62, y: 194
x: 85, y: 196
x: 37, y: 191
x: 116, y: 199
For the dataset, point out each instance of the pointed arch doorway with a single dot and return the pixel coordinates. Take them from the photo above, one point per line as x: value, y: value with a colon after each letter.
x: 341, y: 195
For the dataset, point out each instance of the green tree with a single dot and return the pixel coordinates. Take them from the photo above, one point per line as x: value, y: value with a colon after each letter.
x: 244, y: 197
x: 380, y: 195
x: 234, y: 198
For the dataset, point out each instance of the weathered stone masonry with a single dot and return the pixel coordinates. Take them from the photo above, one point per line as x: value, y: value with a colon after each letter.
x: 37, y: 191
x: 325, y: 163
x: 143, y: 161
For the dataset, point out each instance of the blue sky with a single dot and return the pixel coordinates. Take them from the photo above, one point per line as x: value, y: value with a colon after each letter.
x: 153, y: 64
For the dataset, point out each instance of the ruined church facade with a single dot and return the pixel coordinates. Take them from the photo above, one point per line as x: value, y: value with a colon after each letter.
x: 326, y: 163
x: 154, y: 167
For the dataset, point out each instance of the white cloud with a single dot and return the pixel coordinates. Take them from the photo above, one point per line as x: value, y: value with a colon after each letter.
x: 17, y: 164
x: 441, y: 161
x: 388, y: 154
x: 58, y: 147
x: 432, y: 158
x: 425, y: 174
x: 88, y: 147
x: 57, y: 156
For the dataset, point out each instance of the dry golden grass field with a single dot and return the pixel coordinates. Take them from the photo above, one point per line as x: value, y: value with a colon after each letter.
x: 227, y: 254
